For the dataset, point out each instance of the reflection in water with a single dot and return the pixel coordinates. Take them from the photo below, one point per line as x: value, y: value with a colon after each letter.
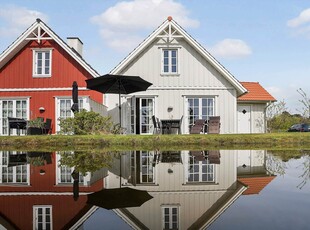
x: 190, y: 189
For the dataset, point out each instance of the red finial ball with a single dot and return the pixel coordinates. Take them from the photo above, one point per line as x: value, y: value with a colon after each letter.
x: 169, y: 18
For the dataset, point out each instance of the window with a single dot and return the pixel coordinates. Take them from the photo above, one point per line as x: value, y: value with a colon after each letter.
x: 200, y: 108
x: 12, y: 174
x: 171, y: 217
x: 200, y: 171
x: 147, y: 169
x: 42, y: 63
x: 42, y: 216
x: 170, y: 61
x: 12, y: 108
x: 64, y: 109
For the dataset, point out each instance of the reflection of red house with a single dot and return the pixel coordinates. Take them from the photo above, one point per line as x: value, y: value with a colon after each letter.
x: 36, y: 75
x: 20, y: 201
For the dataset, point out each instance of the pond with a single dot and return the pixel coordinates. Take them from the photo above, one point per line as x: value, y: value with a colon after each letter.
x: 190, y: 189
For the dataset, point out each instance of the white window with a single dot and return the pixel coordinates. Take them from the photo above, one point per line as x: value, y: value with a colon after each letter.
x: 170, y: 61
x: 42, y: 217
x: 200, y: 171
x: 147, y: 168
x: 200, y: 108
x: 12, y: 108
x: 12, y: 174
x: 64, y: 109
x: 170, y: 217
x: 42, y: 63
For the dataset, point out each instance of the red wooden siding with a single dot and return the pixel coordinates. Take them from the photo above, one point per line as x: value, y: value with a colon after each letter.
x: 19, y: 209
x: 17, y: 74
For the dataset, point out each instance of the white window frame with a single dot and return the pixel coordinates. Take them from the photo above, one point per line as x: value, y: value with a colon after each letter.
x: 201, y: 109
x: 83, y: 104
x: 170, y: 217
x: 169, y: 71
x: 44, y: 208
x: 200, y: 165
x: 147, y: 170
x: 14, y: 171
x: 63, y: 170
x: 35, y: 62
x: 13, y: 113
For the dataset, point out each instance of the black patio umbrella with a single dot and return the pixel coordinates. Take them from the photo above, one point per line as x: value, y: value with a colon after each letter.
x: 75, y: 175
x: 75, y: 97
x: 118, y: 84
x: 118, y: 198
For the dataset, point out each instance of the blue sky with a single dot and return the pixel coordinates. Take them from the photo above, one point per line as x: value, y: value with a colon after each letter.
x: 263, y: 41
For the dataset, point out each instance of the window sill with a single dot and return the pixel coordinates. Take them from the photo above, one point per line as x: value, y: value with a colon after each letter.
x: 41, y: 76
x: 170, y: 74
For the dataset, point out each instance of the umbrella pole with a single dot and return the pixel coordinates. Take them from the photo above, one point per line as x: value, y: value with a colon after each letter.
x: 119, y: 113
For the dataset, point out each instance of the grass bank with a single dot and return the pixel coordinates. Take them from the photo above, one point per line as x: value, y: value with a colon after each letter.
x: 151, y: 142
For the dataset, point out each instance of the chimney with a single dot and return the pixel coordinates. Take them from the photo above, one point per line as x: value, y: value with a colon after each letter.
x: 76, y: 44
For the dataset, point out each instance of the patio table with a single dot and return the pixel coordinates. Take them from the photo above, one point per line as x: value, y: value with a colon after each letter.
x: 17, y: 123
x: 171, y: 126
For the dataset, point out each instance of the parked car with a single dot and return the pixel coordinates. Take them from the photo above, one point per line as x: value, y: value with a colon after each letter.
x: 299, y: 128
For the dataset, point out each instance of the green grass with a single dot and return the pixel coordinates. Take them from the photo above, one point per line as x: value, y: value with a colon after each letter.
x: 151, y: 142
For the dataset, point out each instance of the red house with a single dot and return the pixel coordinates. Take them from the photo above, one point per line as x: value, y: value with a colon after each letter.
x: 36, y: 75
x: 40, y: 196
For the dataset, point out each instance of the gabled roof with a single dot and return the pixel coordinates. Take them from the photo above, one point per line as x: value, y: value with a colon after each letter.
x: 255, y: 184
x: 34, y: 31
x: 255, y: 93
x: 179, y: 32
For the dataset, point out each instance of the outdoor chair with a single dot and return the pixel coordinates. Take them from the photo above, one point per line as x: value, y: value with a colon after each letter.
x: 156, y: 124
x: 214, y: 156
x: 198, y: 127
x: 47, y: 128
x: 214, y: 125
x: 198, y: 155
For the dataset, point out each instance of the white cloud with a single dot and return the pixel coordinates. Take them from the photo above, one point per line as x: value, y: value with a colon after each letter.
x: 301, y: 24
x: 230, y: 48
x: 303, y: 17
x: 125, y: 21
x: 16, y: 19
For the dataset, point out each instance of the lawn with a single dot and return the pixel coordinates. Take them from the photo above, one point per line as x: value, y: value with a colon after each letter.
x: 150, y: 142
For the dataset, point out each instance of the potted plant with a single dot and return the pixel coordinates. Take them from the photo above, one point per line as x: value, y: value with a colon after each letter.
x: 35, y: 126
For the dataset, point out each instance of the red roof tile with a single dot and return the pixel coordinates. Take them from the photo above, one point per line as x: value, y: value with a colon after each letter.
x: 255, y: 93
x: 255, y: 184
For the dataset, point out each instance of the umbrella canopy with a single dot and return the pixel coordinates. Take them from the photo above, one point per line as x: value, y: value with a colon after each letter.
x: 119, y: 198
x: 75, y: 97
x: 118, y: 84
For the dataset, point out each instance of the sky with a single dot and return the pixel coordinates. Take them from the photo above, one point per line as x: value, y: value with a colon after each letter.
x: 259, y: 41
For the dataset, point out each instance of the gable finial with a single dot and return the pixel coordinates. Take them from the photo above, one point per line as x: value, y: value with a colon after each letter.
x: 169, y: 18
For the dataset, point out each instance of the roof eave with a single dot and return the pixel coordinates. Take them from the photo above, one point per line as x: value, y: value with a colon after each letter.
x: 238, y: 86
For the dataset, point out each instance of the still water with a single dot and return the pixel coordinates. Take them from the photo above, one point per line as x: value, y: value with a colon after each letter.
x: 210, y: 189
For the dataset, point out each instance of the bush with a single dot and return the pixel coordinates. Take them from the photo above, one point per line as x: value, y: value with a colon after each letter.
x: 285, y: 120
x: 88, y: 122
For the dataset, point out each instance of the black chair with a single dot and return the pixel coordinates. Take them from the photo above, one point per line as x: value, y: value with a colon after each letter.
x: 16, y: 123
x: 47, y: 126
x: 156, y: 124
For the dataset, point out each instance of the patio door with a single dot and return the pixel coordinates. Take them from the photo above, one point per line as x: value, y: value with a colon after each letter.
x: 64, y: 109
x: 12, y: 108
x: 146, y: 111
x: 199, y: 108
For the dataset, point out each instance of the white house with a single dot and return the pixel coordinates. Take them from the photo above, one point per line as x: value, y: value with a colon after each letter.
x: 188, y: 83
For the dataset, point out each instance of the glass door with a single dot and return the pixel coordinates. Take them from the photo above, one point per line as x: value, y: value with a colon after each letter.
x: 12, y: 108
x: 145, y: 116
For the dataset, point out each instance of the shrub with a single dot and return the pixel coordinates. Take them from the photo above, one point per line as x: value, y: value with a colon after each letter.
x: 88, y: 122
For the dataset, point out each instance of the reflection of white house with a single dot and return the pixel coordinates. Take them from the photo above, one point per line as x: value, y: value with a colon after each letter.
x: 187, y: 82
x: 189, y: 191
